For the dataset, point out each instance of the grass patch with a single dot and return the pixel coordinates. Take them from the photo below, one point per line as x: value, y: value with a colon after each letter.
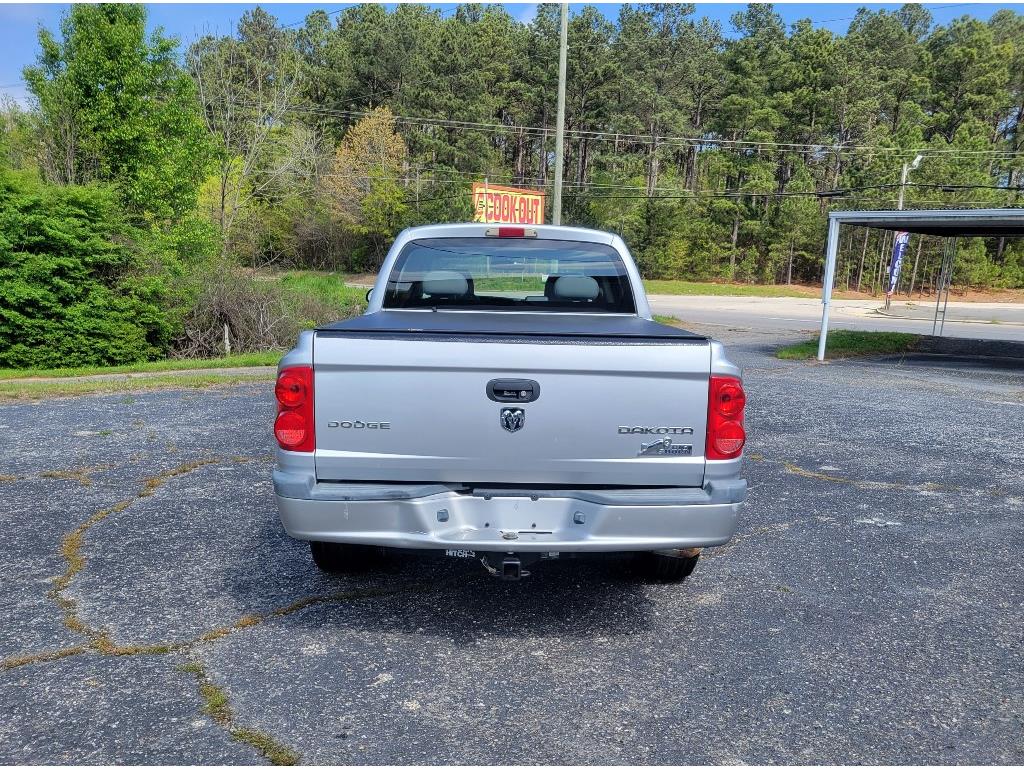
x: 686, y: 288
x: 332, y: 299
x: 852, y: 344
x: 215, y: 702
x: 666, y: 320
x: 331, y: 286
x: 254, y: 359
x: 17, y: 389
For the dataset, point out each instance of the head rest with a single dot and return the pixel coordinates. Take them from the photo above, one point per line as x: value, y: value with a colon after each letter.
x: 575, y: 287
x: 445, y: 283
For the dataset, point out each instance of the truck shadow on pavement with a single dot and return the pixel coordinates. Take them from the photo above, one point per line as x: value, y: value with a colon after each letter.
x: 458, y: 599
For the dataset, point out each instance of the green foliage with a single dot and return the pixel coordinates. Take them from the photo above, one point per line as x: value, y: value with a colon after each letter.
x: 74, y: 287
x: 712, y: 154
x: 775, y: 116
x: 685, y: 288
x: 115, y: 107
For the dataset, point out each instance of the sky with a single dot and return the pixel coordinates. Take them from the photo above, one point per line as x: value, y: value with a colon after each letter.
x: 19, y: 21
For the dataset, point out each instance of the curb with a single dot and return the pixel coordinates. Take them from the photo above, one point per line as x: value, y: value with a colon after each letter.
x: 893, y: 315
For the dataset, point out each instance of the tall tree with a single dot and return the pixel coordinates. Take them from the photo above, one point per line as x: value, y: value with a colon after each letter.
x: 969, y: 77
x: 363, y: 185
x: 250, y: 89
x: 114, y: 106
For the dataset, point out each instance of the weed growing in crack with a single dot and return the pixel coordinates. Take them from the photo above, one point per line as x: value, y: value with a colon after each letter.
x: 71, y: 551
x: 217, y: 705
x: 35, y: 658
x: 81, y: 476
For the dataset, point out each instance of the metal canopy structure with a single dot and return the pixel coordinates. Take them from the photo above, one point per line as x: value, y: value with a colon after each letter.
x: 981, y: 222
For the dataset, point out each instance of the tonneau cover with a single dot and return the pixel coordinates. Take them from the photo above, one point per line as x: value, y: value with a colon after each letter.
x: 470, y: 323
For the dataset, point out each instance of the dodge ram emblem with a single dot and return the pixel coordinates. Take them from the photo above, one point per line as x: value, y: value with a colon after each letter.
x: 512, y: 419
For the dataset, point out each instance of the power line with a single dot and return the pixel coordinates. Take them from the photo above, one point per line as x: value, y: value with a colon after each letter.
x: 299, y: 23
x: 645, y: 139
x: 342, y: 10
x: 932, y: 8
x: 838, y: 193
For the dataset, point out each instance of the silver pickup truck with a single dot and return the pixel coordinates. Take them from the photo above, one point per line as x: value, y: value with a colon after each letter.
x: 507, y: 397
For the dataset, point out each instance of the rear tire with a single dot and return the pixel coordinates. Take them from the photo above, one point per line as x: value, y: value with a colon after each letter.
x: 332, y: 557
x: 666, y: 568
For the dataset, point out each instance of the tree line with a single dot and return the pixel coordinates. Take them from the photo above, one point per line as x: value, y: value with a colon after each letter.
x: 715, y: 152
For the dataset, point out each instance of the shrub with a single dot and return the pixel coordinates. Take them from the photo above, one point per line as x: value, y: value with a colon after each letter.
x: 75, y: 288
x: 260, y: 311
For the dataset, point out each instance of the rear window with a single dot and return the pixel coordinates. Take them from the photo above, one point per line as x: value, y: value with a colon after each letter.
x: 509, y: 273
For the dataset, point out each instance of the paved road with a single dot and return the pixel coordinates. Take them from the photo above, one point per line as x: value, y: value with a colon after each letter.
x: 871, y: 608
x: 790, y: 314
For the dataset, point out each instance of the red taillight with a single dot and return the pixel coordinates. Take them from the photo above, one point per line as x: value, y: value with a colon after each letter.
x: 293, y: 427
x: 290, y: 389
x: 290, y: 429
x: 726, y: 401
x: 730, y: 399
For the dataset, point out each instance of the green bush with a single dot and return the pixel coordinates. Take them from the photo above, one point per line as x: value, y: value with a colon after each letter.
x: 75, y: 286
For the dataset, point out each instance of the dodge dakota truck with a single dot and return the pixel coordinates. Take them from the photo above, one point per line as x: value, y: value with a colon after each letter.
x: 507, y: 397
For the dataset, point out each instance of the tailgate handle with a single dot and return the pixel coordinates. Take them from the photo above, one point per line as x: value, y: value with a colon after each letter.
x: 513, y: 390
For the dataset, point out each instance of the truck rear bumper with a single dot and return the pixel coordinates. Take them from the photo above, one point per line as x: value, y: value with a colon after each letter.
x: 509, y: 520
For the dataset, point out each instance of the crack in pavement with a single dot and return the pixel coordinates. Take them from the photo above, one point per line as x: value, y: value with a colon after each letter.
x: 867, y: 484
x: 81, y: 475
x: 928, y: 487
x: 217, y: 705
x: 13, y: 662
x: 100, y: 641
x: 876, y: 485
x: 71, y: 551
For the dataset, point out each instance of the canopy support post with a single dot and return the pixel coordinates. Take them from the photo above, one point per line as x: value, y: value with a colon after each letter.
x: 831, y: 246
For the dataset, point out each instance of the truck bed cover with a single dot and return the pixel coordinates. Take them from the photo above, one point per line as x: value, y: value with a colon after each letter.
x: 629, y: 328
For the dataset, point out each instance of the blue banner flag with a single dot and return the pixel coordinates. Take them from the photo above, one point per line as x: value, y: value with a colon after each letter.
x: 899, y: 247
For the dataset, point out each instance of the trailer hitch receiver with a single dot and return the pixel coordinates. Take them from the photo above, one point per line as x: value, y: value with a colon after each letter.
x: 509, y: 568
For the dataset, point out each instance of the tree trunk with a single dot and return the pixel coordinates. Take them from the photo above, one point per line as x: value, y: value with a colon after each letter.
x: 652, y: 169
x: 520, y: 157
x: 789, y: 270
x: 735, y: 239
x: 691, y: 168
x: 652, y: 160
x: 881, y: 260
x: 863, y: 255
x: 917, y: 258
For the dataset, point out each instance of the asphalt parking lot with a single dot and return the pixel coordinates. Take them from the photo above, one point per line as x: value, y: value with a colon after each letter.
x: 871, y: 608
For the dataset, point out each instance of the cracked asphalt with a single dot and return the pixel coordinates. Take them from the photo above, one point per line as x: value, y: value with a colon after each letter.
x: 871, y: 608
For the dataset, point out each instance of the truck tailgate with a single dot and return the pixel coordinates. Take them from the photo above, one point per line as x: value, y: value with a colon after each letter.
x: 413, y: 405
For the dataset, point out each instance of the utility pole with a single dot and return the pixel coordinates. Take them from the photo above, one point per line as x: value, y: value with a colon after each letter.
x: 907, y: 168
x: 556, y: 207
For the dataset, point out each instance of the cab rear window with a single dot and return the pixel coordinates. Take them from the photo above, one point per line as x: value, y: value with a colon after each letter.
x: 518, y: 274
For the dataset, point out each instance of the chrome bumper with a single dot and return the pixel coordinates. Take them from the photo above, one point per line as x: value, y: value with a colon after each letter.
x: 509, y: 520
